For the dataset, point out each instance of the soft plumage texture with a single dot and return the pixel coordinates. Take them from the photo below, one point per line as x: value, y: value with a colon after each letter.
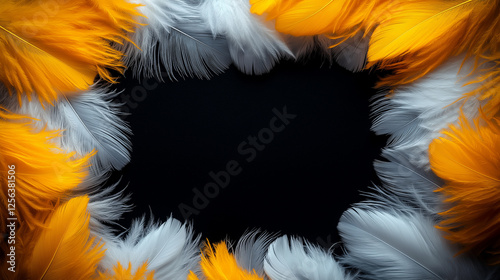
x: 251, y: 250
x: 254, y: 45
x: 88, y: 122
x: 414, y: 114
x: 174, y: 41
x: 120, y: 273
x: 218, y: 263
x: 44, y: 174
x: 411, y: 40
x: 467, y: 157
x: 407, y: 183
x: 169, y: 249
x: 295, y: 260
x: 64, y: 249
x: 393, y: 245
x: 52, y: 47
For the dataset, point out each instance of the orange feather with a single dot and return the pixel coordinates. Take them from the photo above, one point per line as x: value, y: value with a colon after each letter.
x: 51, y: 47
x: 34, y: 176
x: 220, y: 264
x: 120, y: 273
x: 467, y: 157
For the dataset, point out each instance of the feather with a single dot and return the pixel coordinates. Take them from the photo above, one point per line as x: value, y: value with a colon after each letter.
x: 350, y: 53
x: 251, y: 250
x: 294, y: 260
x: 65, y: 249
x: 393, y: 245
x: 120, y: 273
x: 254, y: 45
x: 168, y: 249
x: 88, y: 121
x: 52, y: 47
x: 405, y: 183
x: 175, y: 37
x: 411, y: 40
x: 218, y: 263
x: 415, y: 114
x: 40, y: 174
x: 467, y: 157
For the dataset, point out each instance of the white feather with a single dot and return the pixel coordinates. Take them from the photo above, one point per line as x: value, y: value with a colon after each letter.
x: 174, y: 39
x: 169, y: 249
x: 417, y: 113
x: 294, y: 260
x: 393, y: 245
x: 351, y: 52
x: 88, y: 121
x: 251, y: 251
x: 253, y: 44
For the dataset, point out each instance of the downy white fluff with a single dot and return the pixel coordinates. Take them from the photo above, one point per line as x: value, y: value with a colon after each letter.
x: 88, y: 121
x: 389, y: 244
x: 174, y: 39
x: 416, y: 113
x: 254, y: 45
x: 170, y: 249
x: 293, y: 260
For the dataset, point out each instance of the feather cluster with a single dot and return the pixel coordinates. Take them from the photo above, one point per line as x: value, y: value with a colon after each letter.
x: 434, y: 216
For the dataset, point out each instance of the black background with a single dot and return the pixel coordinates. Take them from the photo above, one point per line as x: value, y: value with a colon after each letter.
x: 301, y: 182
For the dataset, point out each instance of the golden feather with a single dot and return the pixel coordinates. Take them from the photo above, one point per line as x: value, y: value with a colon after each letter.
x: 467, y: 157
x: 120, y: 273
x: 51, y: 47
x: 218, y: 263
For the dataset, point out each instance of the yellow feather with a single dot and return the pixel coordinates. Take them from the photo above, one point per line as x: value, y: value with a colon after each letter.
x: 221, y: 265
x: 40, y: 176
x: 467, y: 157
x: 65, y: 249
x: 52, y: 47
x: 120, y: 273
x: 420, y: 35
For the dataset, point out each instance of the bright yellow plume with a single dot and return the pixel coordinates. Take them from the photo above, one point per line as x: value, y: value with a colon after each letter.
x: 120, y: 273
x: 221, y: 265
x: 51, y: 47
x: 467, y: 157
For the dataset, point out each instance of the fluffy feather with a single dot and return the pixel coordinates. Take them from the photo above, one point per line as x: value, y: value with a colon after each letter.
x: 43, y: 175
x: 218, y: 263
x: 168, y: 249
x: 294, y: 260
x: 467, y: 157
x: 251, y: 250
x: 49, y: 47
x: 88, y: 121
x: 175, y: 37
x: 392, y: 245
x: 65, y: 249
x: 414, y: 114
x: 411, y: 40
x: 120, y: 273
x: 254, y: 47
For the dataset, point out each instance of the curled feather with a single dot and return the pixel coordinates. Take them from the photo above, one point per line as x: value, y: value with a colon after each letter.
x: 467, y: 157
x: 52, y: 47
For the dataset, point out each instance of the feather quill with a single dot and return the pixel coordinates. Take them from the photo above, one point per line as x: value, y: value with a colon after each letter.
x: 88, y: 121
x: 218, y: 263
x: 467, y: 157
x: 294, y: 260
x: 52, y: 47
x: 65, y: 249
x: 254, y: 45
x: 173, y: 36
x: 393, y: 245
x: 168, y: 249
